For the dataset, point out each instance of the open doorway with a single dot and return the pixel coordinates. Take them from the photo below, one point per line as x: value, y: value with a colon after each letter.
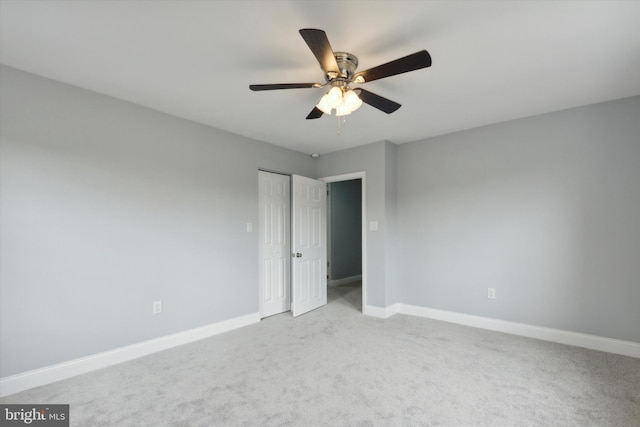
x: 344, y: 226
x: 346, y: 213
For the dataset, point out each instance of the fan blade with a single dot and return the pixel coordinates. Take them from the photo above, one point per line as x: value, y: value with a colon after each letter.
x: 316, y: 113
x: 377, y: 101
x: 284, y: 86
x: 319, y: 44
x: 405, y: 64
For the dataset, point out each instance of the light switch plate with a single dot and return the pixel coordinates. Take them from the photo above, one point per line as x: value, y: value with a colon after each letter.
x: 157, y: 307
x: 373, y: 225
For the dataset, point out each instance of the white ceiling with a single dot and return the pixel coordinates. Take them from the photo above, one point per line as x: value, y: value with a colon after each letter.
x: 492, y: 60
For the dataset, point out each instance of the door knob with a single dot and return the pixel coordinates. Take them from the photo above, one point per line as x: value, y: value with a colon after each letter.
x: 298, y: 255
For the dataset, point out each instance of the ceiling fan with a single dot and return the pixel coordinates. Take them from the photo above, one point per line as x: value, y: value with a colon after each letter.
x: 340, y: 71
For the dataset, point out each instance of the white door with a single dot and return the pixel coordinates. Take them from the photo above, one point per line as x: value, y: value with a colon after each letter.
x: 275, y: 259
x: 309, y: 232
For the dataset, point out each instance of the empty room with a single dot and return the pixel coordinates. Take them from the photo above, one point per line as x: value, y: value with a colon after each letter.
x: 319, y: 213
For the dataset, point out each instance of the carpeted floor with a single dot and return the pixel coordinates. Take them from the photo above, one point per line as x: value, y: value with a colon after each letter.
x: 337, y: 367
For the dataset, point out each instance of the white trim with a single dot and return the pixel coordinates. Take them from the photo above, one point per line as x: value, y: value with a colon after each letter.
x: 345, y: 280
x: 593, y: 342
x: 343, y: 177
x: 362, y: 176
x: 380, y: 312
x: 38, y: 377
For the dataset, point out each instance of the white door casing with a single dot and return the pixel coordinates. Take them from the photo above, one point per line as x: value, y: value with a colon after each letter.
x: 274, y: 227
x: 362, y: 176
x: 309, y: 245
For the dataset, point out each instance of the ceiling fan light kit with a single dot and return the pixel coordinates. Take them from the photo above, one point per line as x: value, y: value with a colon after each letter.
x: 340, y: 70
x: 343, y: 100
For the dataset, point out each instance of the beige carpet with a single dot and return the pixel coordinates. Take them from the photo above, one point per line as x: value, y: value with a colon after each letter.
x: 336, y: 367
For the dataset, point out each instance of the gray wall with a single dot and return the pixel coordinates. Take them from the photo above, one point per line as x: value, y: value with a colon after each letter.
x: 544, y: 209
x: 390, y: 189
x: 346, y: 229
x: 107, y: 206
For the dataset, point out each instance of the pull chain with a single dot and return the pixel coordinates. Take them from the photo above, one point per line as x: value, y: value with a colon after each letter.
x: 341, y: 122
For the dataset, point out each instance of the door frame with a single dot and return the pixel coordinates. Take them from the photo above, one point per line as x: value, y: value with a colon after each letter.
x: 362, y: 176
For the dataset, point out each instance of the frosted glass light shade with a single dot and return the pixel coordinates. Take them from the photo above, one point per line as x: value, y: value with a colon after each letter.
x: 352, y: 101
x: 334, y: 97
x: 323, y: 105
x: 343, y: 110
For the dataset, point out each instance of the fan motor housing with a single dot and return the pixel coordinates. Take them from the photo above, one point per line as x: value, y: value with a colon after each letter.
x: 347, y: 64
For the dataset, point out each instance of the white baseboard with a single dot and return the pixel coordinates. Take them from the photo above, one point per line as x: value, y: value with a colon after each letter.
x: 380, y: 312
x: 37, y: 377
x: 345, y: 280
x: 24, y: 381
x: 593, y: 342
